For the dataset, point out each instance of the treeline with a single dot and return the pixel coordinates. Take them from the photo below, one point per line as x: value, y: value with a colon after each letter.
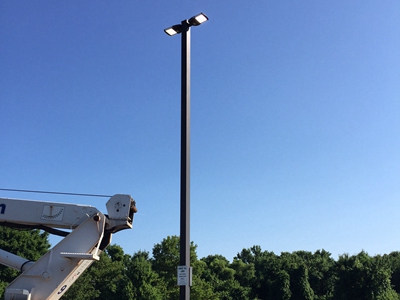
x: 252, y: 274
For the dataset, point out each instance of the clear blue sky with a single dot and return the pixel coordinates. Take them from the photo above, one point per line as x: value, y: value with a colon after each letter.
x: 295, y: 136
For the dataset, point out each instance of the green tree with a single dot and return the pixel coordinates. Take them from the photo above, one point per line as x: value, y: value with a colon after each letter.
x: 105, y: 279
x: 363, y: 277
x: 320, y: 272
x: 322, y: 277
x: 299, y: 284
x: 280, y: 287
x: 145, y: 283
x: 166, y: 260
x: 393, y: 262
x: 30, y: 244
x: 83, y: 288
x: 266, y: 267
x: 201, y: 289
x: 221, y: 277
x: 245, y: 273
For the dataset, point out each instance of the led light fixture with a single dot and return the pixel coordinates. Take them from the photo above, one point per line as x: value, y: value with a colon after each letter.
x: 193, y: 21
x: 198, y: 19
x: 173, y: 30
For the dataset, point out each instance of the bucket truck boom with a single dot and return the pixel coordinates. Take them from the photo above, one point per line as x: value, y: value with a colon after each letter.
x: 51, y: 276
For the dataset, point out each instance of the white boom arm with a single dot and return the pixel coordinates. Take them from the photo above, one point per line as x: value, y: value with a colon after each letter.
x: 50, y: 276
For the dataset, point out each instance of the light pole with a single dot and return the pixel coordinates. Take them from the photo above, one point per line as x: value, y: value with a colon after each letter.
x: 184, y: 269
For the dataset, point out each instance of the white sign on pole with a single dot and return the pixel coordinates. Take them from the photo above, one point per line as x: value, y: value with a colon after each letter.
x: 183, y: 275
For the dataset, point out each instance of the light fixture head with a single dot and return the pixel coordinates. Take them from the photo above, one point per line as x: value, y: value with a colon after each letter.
x: 173, y: 30
x: 198, y: 19
x: 193, y: 21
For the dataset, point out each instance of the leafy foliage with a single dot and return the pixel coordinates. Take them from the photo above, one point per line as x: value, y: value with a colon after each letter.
x: 253, y: 274
x: 30, y: 244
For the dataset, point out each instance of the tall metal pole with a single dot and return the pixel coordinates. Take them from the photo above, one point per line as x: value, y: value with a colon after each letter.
x: 185, y: 158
